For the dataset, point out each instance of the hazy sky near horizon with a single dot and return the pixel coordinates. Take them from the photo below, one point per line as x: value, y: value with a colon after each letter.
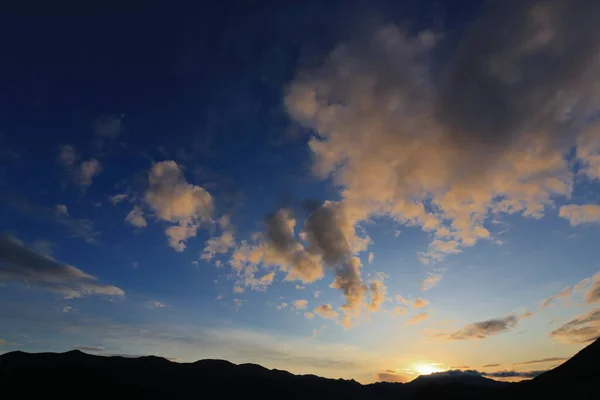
x: 367, y: 190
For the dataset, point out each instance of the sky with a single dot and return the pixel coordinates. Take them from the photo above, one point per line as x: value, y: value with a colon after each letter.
x: 366, y: 190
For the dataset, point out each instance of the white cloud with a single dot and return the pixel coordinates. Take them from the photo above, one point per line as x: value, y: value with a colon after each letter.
x: 447, y: 154
x: 22, y: 265
x: 371, y: 257
x: 326, y: 311
x: 420, y: 303
x: 300, y: 304
x: 62, y: 209
x: 155, y: 304
x: 431, y: 281
x: 135, y: 217
x: 564, y: 294
x: 176, y: 201
x: 579, y: 215
x: 117, y: 198
x: 417, y: 318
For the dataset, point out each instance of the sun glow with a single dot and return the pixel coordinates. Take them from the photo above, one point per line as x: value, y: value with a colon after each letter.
x: 426, y: 369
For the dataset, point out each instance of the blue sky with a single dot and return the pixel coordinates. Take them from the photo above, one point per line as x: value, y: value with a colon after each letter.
x: 368, y: 191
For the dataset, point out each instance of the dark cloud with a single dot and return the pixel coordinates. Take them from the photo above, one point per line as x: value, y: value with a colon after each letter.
x: 390, y: 376
x: 582, y: 329
x: 513, y: 374
x: 482, y: 329
x: 25, y: 266
x: 491, y: 365
x: 543, y: 360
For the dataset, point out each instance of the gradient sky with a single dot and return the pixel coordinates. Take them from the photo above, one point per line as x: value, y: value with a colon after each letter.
x: 367, y: 190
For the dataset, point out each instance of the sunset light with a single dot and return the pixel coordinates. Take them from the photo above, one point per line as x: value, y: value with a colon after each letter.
x: 359, y: 190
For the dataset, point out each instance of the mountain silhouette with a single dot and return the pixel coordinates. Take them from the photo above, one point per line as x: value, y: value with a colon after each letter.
x: 75, y: 374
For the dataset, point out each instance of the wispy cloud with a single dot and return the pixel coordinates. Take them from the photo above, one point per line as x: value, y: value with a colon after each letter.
x: 431, y: 281
x: 581, y: 329
x: 482, y: 329
x: 417, y: 318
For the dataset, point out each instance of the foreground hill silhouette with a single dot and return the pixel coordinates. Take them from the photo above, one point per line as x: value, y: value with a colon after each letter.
x: 78, y: 375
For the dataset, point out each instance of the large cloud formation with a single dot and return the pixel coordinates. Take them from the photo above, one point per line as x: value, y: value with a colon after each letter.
x: 488, y: 135
x: 25, y: 266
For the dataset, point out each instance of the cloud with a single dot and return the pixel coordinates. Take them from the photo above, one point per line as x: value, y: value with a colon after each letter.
x: 378, y: 290
x: 401, y: 299
x: 281, y: 306
x: 178, y: 202
x: 447, y: 151
x: 527, y: 314
x: 81, y: 174
x: 482, y: 329
x: 431, y: 281
x: 399, y: 311
x: 220, y: 244
x: 563, y: 294
x: 542, y: 360
x: 62, y: 209
x: 326, y: 311
x: 579, y: 215
x: 420, y: 303
x: 582, y: 329
x: 513, y: 374
x: 155, y: 304
x: 300, y: 304
x: 592, y: 296
x: 43, y: 246
x: 135, y: 217
x: 117, y: 198
x: 22, y: 265
x: 108, y: 126
x: 417, y: 318
x: 371, y: 257
x: 390, y: 376
x: 491, y: 365
x: 91, y: 349
x: 309, y: 315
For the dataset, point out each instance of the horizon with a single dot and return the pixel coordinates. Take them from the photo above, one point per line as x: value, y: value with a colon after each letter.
x: 367, y: 190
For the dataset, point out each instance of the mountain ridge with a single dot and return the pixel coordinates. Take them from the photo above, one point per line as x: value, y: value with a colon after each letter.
x: 74, y: 372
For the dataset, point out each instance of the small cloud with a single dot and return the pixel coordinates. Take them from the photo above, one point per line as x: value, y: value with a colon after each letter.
x: 81, y: 174
x: 399, y: 311
x: 378, y: 290
x: 238, y: 302
x: 238, y: 289
x: 564, y: 294
x: 195, y: 263
x: 67, y: 309
x: 592, y: 296
x: 525, y: 315
x: 417, y: 318
x: 62, y: 209
x: 136, y: 218
x: 491, y: 365
x: 371, y: 257
x: 317, y: 294
x: 431, y: 281
x: 397, y: 233
x: 117, y: 198
x: 155, y: 304
x: 401, y: 299
x: 390, y: 376
x: 299, y: 304
x: 309, y: 315
x: 135, y: 264
x: 108, y: 126
x: 2, y: 342
x: 300, y: 287
x: 420, y: 303
x: 326, y: 311
x: 579, y: 215
x: 482, y: 329
x: 219, y: 297
x: 542, y: 361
